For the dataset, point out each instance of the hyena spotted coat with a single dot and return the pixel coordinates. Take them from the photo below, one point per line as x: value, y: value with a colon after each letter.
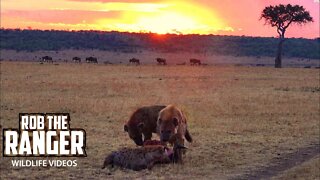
x: 138, y: 158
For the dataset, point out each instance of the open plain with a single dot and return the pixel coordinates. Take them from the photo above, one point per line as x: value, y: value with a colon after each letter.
x: 241, y: 118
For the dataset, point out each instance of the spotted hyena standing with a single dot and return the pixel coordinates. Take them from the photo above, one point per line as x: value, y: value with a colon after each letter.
x: 172, y: 125
x: 142, y: 123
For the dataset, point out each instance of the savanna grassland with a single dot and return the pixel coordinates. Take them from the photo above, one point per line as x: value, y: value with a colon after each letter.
x: 241, y: 118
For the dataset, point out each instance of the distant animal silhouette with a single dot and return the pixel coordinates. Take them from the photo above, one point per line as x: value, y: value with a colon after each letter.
x: 91, y: 60
x: 134, y: 61
x: 161, y: 61
x: 76, y: 59
x: 47, y: 59
x: 195, y: 62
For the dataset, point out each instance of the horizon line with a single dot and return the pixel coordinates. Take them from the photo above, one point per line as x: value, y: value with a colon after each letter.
x: 150, y: 32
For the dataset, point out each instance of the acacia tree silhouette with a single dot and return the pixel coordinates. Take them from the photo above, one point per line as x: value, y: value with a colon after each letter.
x: 281, y: 17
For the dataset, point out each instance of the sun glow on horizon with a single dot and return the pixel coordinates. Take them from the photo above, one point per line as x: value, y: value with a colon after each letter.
x: 155, y: 16
x: 175, y: 17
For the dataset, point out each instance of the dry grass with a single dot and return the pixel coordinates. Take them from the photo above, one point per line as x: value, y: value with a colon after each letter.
x: 240, y: 117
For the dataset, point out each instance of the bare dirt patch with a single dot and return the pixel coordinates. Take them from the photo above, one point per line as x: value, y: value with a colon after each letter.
x: 284, y: 162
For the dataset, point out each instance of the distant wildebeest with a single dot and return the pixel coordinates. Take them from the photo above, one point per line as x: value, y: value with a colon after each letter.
x: 76, y: 59
x: 91, y: 60
x: 134, y: 61
x: 47, y: 59
x: 195, y: 62
x: 161, y: 61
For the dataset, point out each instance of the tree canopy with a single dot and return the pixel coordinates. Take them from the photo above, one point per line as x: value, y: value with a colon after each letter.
x: 281, y: 16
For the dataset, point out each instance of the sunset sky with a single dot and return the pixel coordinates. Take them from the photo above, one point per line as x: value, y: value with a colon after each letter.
x: 227, y: 17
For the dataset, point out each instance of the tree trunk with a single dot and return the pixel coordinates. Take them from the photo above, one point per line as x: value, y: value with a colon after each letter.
x: 278, y: 60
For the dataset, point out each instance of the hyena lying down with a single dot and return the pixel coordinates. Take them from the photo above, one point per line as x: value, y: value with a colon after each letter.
x: 138, y: 158
x: 141, y: 158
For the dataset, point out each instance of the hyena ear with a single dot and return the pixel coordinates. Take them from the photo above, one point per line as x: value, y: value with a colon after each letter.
x: 175, y: 121
x: 140, y: 125
x: 125, y: 128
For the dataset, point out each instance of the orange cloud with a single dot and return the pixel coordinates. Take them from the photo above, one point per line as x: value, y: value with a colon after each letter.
x: 61, y: 16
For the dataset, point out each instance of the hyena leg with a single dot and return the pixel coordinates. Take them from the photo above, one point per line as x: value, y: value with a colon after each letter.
x: 178, y: 152
x: 108, y: 161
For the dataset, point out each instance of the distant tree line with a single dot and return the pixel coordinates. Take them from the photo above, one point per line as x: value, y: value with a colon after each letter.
x: 35, y: 40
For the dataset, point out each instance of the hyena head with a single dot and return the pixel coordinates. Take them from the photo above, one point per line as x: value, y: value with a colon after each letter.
x: 167, y: 129
x: 168, y: 121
